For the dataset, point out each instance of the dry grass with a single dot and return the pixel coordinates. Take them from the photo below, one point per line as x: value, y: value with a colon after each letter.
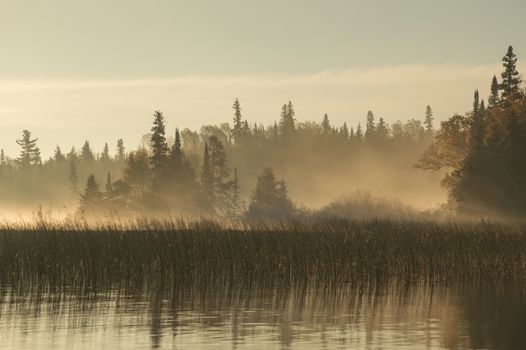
x: 207, y: 253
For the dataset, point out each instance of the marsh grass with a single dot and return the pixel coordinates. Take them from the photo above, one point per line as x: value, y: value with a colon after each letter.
x: 207, y: 254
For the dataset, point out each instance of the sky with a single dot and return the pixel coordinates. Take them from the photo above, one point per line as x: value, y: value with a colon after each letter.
x: 96, y: 70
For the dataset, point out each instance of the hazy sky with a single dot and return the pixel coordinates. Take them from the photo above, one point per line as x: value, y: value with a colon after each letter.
x: 74, y: 70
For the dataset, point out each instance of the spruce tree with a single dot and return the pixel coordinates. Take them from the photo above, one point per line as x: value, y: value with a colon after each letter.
x: 91, y: 199
x: 73, y: 176
x: 287, y: 122
x: 58, y: 156
x: 270, y: 199
x: 359, y: 134
x: 511, y: 80
x: 238, y: 123
x: 494, y: 98
x: 370, y: 127
x: 86, y: 154
x: 344, y: 131
x: 160, y: 149
x: 121, y: 153
x: 428, y: 121
x: 30, y: 154
x: 326, y: 125
x: 105, y: 155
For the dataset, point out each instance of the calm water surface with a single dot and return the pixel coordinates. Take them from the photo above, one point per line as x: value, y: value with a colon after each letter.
x: 394, y: 316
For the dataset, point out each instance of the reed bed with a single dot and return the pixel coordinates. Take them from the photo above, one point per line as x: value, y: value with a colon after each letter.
x: 233, y: 254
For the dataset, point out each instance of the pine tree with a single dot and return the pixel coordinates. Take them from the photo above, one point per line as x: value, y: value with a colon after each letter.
x: 91, y: 199
x: 58, y: 156
x: 428, y: 121
x: 160, y: 149
x: 86, y: 154
x: 344, y: 131
x: 238, y: 124
x: 494, y: 98
x: 270, y: 200
x: 287, y: 122
x: 511, y: 80
x: 73, y: 176
x: 30, y: 154
x: 72, y: 154
x: 382, y: 131
x: 105, y: 155
x: 359, y: 134
x: 121, y: 153
x: 370, y: 127
x: 326, y: 125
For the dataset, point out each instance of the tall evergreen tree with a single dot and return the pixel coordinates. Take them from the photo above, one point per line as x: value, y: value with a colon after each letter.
x: 511, y: 80
x: 238, y: 123
x: 73, y: 176
x: 91, y: 199
x: 121, y: 152
x: 428, y: 121
x: 370, y: 127
x: 30, y: 154
x: 359, y: 134
x: 86, y: 154
x: 287, y: 125
x: 220, y: 173
x: 269, y: 199
x: 160, y: 149
x: 326, y: 125
x: 105, y: 155
x: 494, y: 98
x: 58, y: 156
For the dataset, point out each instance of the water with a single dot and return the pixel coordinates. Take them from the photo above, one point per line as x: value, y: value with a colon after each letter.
x: 417, y: 316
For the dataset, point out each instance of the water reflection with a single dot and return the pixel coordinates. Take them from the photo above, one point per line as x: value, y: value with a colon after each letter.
x: 372, y: 316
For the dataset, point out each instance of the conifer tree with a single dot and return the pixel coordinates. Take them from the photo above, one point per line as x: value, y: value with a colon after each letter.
x: 58, y: 156
x: 382, y: 131
x: 238, y: 123
x: 344, y: 131
x: 72, y: 154
x: 105, y: 155
x: 370, y: 127
x: 494, y: 98
x: 428, y: 121
x: 269, y: 199
x: 86, y: 154
x: 91, y: 199
x: 121, y: 153
x: 160, y: 149
x: 220, y: 173
x: 73, y: 176
x: 30, y: 154
x: 326, y: 125
x: 287, y: 122
x: 511, y: 80
x: 359, y: 134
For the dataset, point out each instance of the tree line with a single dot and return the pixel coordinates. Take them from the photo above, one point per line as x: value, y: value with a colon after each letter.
x: 229, y: 169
